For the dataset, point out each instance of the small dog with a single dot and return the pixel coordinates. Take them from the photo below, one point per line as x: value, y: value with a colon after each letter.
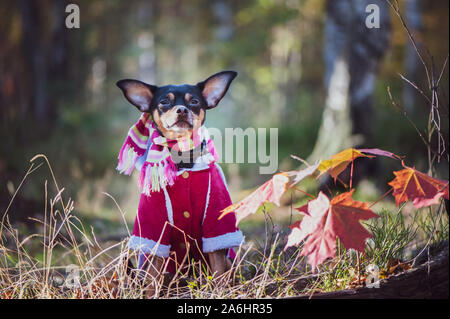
x: 183, y: 189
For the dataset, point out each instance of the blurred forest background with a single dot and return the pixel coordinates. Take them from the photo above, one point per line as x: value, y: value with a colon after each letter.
x: 311, y: 68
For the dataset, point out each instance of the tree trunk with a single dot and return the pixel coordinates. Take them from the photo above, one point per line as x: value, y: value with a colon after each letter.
x: 352, y: 54
x: 32, y: 27
x: 429, y: 280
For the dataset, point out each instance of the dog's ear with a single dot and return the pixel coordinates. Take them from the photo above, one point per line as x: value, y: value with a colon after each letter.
x: 215, y: 87
x: 138, y: 93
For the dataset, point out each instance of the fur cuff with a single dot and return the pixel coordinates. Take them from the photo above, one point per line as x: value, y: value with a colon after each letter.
x: 148, y: 246
x: 228, y: 240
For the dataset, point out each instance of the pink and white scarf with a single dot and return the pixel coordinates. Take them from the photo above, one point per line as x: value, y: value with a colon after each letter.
x: 159, y: 169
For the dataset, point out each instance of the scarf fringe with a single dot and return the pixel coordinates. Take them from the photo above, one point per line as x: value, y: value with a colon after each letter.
x: 156, y: 175
x: 127, y: 159
x: 159, y: 170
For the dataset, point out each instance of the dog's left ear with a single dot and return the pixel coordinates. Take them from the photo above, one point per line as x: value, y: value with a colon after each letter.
x: 215, y: 87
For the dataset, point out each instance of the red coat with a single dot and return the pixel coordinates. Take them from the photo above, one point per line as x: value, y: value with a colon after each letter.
x: 184, y: 219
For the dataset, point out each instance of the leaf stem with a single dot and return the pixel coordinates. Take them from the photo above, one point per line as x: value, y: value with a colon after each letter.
x: 351, y: 175
x: 302, y: 191
x: 383, y: 196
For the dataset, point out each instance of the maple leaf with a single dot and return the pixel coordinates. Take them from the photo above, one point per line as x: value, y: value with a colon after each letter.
x: 338, y: 162
x: 303, y: 173
x: 326, y: 220
x: 296, y: 236
x: 270, y: 191
x: 421, y: 189
x: 378, y: 152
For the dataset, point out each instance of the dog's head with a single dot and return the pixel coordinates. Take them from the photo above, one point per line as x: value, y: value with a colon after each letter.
x: 177, y: 110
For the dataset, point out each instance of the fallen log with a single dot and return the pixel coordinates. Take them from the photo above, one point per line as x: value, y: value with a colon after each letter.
x: 430, y: 280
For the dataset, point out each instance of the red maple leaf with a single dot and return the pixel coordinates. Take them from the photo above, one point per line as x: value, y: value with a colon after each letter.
x: 423, y: 190
x: 326, y: 220
x: 270, y: 191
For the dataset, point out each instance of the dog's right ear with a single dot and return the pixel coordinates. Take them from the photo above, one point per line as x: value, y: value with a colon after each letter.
x: 138, y: 93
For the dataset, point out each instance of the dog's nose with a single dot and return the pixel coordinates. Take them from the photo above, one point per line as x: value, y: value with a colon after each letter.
x: 182, y: 110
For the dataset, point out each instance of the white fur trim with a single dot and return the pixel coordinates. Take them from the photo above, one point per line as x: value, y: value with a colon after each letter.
x: 197, y: 167
x: 222, y: 175
x: 200, y: 164
x: 228, y: 240
x: 148, y: 246
x: 207, y: 198
x: 168, y: 206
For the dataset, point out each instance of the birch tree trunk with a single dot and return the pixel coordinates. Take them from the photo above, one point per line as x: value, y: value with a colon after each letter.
x: 352, y: 54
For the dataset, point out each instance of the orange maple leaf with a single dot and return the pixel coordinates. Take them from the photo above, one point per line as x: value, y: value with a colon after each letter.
x: 270, y: 191
x: 338, y: 162
x: 421, y: 189
x: 326, y: 220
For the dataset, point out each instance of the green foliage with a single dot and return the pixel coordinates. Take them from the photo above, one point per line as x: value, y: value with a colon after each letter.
x: 391, y: 236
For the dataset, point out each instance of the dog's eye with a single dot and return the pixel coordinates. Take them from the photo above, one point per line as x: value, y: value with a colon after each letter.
x: 164, y: 102
x: 194, y: 102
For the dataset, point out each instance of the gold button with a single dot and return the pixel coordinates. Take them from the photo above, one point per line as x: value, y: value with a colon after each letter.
x: 186, y: 214
x: 185, y: 174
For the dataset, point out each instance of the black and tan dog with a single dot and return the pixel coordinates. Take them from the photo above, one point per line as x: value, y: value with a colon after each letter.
x: 180, y: 218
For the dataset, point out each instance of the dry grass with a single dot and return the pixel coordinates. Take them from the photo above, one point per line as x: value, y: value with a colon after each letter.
x: 64, y: 260
x: 67, y: 261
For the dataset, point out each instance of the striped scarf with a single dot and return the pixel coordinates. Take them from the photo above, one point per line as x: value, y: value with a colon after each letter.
x: 159, y: 169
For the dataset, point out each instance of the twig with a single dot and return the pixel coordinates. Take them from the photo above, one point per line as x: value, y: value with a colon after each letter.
x: 396, y: 9
x: 405, y: 114
x: 415, y: 87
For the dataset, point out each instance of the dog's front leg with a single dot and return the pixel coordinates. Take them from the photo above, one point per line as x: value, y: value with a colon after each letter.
x: 218, y: 262
x: 154, y: 266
